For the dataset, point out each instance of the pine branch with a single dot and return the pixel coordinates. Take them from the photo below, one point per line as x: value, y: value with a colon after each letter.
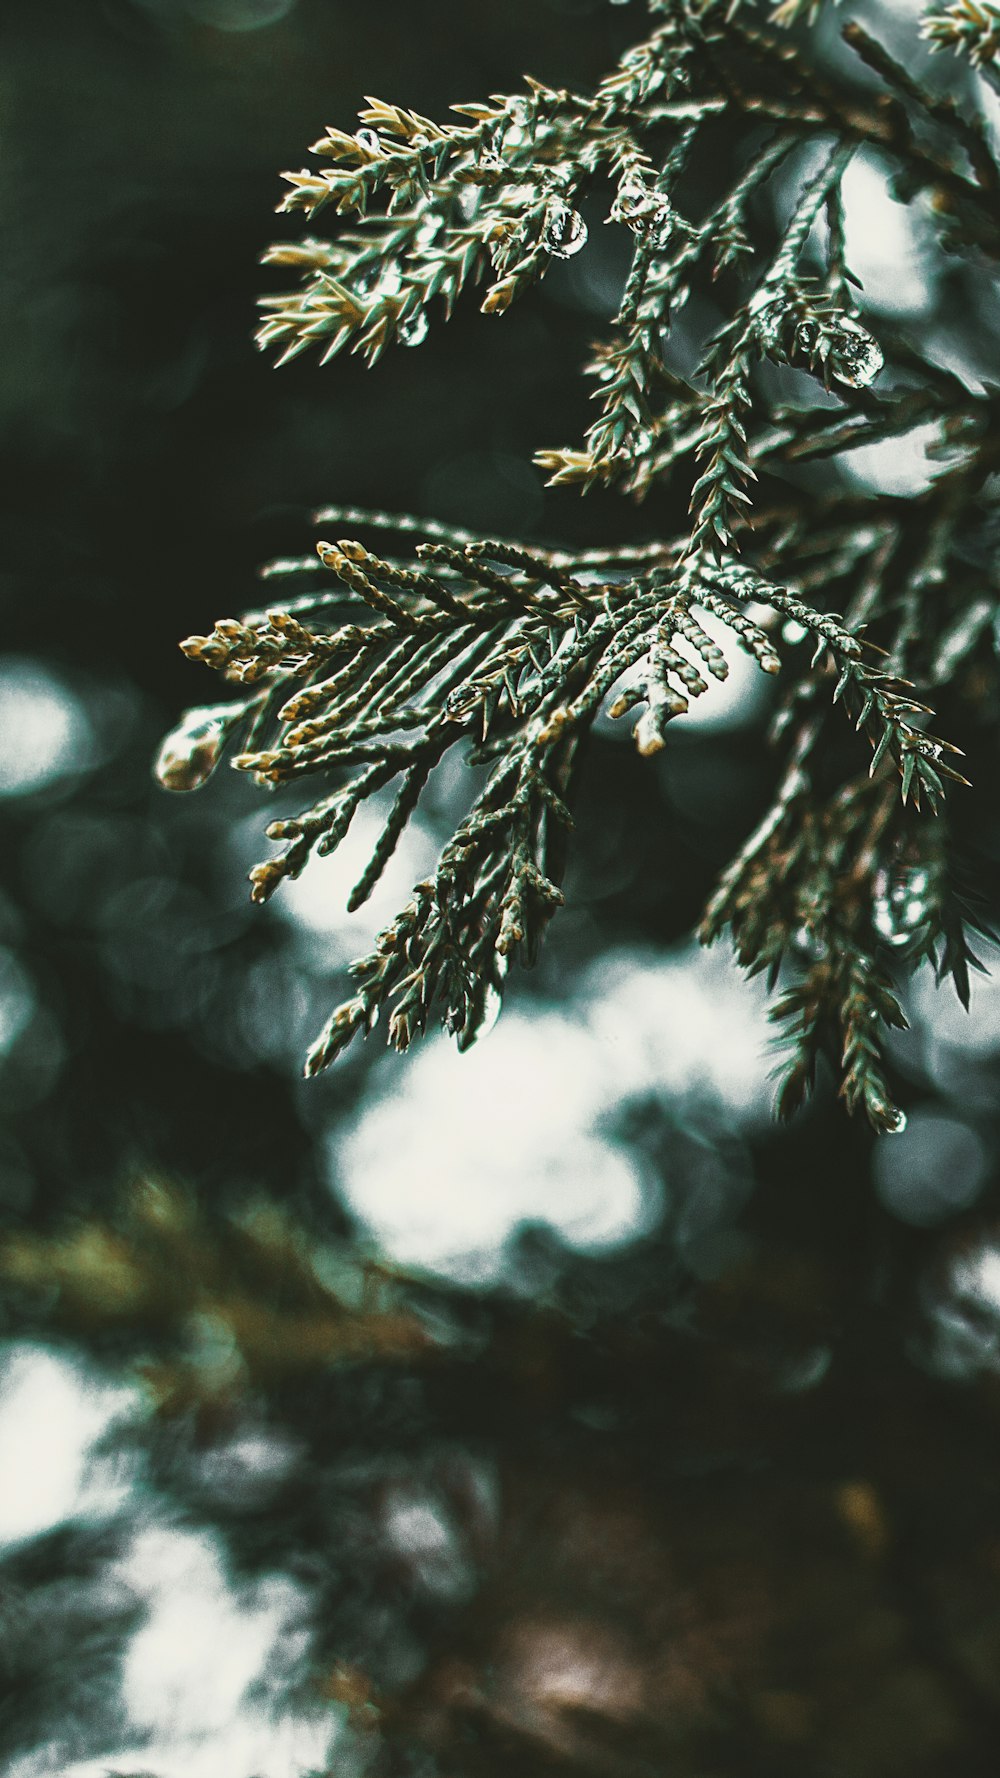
x: 431, y: 639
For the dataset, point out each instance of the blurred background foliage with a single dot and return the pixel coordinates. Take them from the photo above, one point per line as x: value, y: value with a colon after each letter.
x: 548, y: 1403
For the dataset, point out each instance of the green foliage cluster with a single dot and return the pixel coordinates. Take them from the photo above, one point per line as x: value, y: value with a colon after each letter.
x: 511, y: 651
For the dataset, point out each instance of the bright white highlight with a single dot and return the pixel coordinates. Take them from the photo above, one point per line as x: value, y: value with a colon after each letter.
x: 896, y: 465
x: 885, y: 242
x: 470, y: 1147
x: 189, y: 1668
x: 978, y: 1279
x: 52, y: 1412
x: 942, y: 1019
x: 686, y: 1025
x: 205, y: 1676
x: 317, y: 900
x: 949, y: 1047
x: 255, y: 1746
x: 446, y: 1170
x: 44, y: 734
x: 965, y: 1316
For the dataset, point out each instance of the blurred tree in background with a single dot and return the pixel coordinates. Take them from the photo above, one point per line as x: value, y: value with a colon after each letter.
x: 548, y: 1403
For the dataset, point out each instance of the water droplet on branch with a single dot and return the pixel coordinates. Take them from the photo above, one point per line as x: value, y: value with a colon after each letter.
x: 412, y: 330
x: 643, y: 210
x: 901, y: 904
x: 191, y: 752
x: 855, y: 357
x: 769, y: 316
x: 489, y: 160
x: 564, y: 231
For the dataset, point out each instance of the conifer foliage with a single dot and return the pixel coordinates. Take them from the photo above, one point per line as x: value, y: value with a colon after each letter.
x: 382, y: 659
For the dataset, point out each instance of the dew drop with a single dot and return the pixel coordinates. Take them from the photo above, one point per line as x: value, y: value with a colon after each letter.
x: 377, y: 281
x: 642, y: 210
x: 855, y: 357
x: 191, y: 752
x: 389, y: 280
x: 808, y: 340
x: 635, y: 445
x: 894, y: 1121
x: 470, y: 1028
x: 489, y: 160
x: 412, y: 330
x: 768, y: 314
x: 564, y: 231
x: 368, y: 139
x: 901, y: 904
